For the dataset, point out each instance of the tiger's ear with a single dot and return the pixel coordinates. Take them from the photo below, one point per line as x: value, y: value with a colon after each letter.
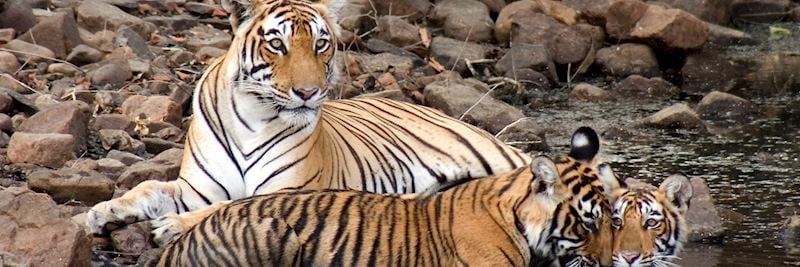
x: 238, y: 10
x: 584, y: 144
x: 545, y: 175
x: 611, y: 182
x: 330, y: 9
x: 678, y: 190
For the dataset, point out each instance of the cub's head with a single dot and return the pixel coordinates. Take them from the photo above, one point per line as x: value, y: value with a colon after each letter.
x: 649, y: 224
x: 578, y: 232
x: 284, y: 50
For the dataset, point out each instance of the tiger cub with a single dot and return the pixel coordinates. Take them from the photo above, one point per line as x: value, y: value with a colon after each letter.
x: 550, y: 209
x: 649, y: 224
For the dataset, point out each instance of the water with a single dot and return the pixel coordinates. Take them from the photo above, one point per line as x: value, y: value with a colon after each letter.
x: 750, y: 168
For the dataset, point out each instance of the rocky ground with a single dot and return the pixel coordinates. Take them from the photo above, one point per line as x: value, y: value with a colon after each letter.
x: 94, y: 94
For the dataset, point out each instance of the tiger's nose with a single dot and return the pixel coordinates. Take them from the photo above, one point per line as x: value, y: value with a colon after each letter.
x: 629, y: 256
x: 305, y: 93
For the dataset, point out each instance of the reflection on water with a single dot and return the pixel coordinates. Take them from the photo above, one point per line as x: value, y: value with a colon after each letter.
x: 750, y: 169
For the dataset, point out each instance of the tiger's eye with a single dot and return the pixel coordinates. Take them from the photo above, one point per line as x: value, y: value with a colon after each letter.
x: 321, y: 43
x: 651, y: 223
x: 276, y: 43
x: 616, y: 222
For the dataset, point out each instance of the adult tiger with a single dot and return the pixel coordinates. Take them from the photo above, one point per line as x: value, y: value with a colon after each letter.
x: 649, y: 224
x: 261, y: 124
x: 514, y: 219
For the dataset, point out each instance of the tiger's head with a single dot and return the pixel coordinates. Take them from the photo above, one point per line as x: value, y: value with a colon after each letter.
x: 283, y: 52
x: 649, y: 225
x: 579, y: 233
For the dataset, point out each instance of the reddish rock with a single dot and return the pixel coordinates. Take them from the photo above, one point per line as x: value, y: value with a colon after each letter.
x: 671, y: 28
x: 153, y: 108
x: 639, y: 86
x: 678, y: 116
x: 8, y: 62
x: 521, y: 56
x: 66, y: 184
x: 464, y: 20
x: 622, y: 17
x: 114, y: 72
x: 6, y: 35
x: 398, y: 31
x: 65, y: 118
x: 713, y: 11
x: 593, y: 10
x: 6, y: 102
x: 133, y: 238
x: 113, y: 121
x: 30, y: 50
x: 58, y: 32
x: 724, y: 106
x: 163, y: 167
x: 585, y: 92
x: 35, y: 231
x: 6, y: 125
x: 43, y: 149
x: 627, y: 59
x: 120, y: 140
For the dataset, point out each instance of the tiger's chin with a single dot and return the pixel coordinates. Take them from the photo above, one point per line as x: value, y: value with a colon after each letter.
x: 299, y: 116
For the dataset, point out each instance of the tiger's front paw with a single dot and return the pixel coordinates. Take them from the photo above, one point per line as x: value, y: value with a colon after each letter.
x: 168, y: 228
x: 106, y: 217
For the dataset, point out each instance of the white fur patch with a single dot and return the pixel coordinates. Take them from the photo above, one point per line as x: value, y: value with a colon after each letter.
x: 580, y: 140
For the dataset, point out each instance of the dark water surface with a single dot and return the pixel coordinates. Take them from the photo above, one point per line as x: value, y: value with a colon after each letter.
x: 750, y: 168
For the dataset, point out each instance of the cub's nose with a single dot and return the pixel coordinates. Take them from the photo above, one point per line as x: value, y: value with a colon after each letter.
x: 629, y: 256
x: 305, y: 93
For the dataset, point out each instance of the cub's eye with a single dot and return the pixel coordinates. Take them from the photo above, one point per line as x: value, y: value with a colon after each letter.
x: 321, y: 44
x: 652, y: 223
x: 276, y: 44
x: 616, y: 222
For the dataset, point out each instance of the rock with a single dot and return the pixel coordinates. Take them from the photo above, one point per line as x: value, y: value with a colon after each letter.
x: 595, y: 11
x: 790, y: 232
x: 571, y: 45
x: 522, y: 56
x: 585, y: 92
x: 174, y: 22
x: 101, y: 40
x: 43, y: 149
x: 114, y: 72
x: 532, y: 21
x: 530, y: 78
x: 154, y: 108
x: 8, y: 62
x: 394, y: 94
x: 16, y: 14
x: 622, y: 17
x: 454, y: 98
x: 10, y: 83
x: 158, y: 145
x: 707, y: 71
x: 130, y: 38
x: 627, y: 59
x: 35, y: 230
x: 126, y: 158
x: 759, y: 11
x: 6, y: 103
x: 133, y: 238
x: 95, y: 15
x: 464, y: 20
x: 163, y: 167
x: 62, y: 68
x: 30, y: 50
x: 702, y: 216
x: 88, y: 187
x: 58, y: 32
x: 5, y: 124
x: 200, y: 8
x: 120, y: 140
x: 204, y: 36
x: 526, y: 135
x: 383, y: 62
x: 113, y: 122
x: 677, y: 116
x: 666, y: 28
x: 397, y: 31
x: 45, y: 101
x: 723, y: 106
x: 724, y: 36
x: 412, y: 9
x: 181, y: 58
x: 713, y: 11
x: 208, y: 53
x: 638, y: 86
x: 452, y: 53
x: 6, y: 35
x: 110, y: 167
x: 64, y: 118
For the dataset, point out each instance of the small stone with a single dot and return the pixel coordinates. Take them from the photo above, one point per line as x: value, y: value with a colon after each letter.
x: 58, y: 32
x: 206, y: 37
x: 452, y: 53
x: 208, y: 53
x: 6, y: 35
x: 723, y: 106
x: 126, y: 158
x: 62, y: 68
x: 95, y: 15
x: 88, y: 187
x: 133, y: 238
x: 113, y: 122
x: 412, y: 9
x: 532, y: 22
x: 529, y: 56
x: 702, y: 217
x: 45, y: 101
x: 43, y: 149
x: 110, y: 167
x: 588, y: 93
x: 627, y: 59
x: 162, y: 168
x: 17, y: 14
x: 154, y: 108
x: 18, y: 119
x: 398, y: 31
x: 8, y: 62
x: 593, y: 10
x: 120, y: 140
x: 677, y: 116
x: 130, y: 38
x: 671, y: 28
x: 101, y: 40
x: 383, y: 62
x: 158, y: 145
x: 200, y: 8
x: 6, y: 103
x: 464, y: 20
x: 454, y: 98
x: 30, y: 50
x: 114, y: 73
x: 37, y: 232
x: 637, y: 85
x: 84, y: 54
x: 66, y: 118
x: 5, y: 123
x: 181, y: 58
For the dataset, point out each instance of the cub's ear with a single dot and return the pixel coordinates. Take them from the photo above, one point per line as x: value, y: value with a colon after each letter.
x: 545, y: 175
x: 611, y: 182
x: 678, y: 190
x: 239, y: 11
x: 584, y: 144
